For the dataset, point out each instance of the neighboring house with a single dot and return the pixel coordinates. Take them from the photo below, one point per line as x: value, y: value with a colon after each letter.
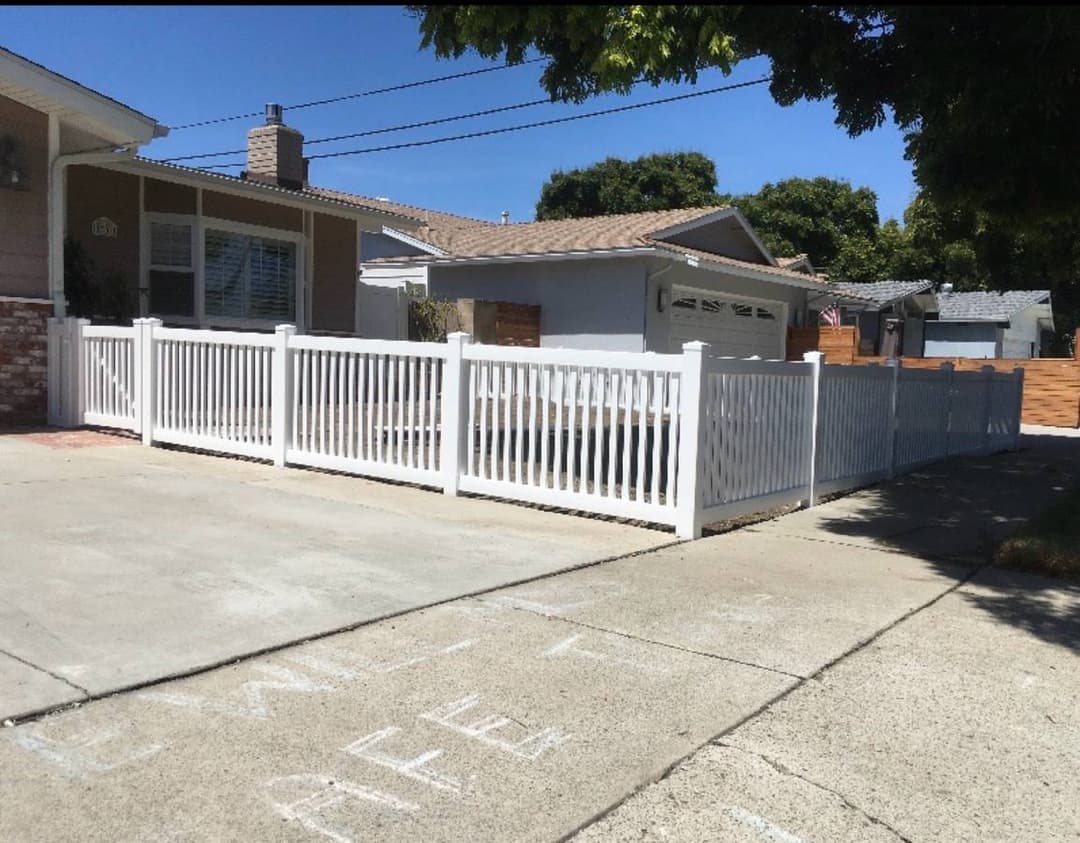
x: 910, y: 319
x: 1015, y: 324
x: 894, y: 324
x: 631, y: 282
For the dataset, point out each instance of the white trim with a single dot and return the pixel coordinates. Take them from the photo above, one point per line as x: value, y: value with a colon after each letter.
x: 255, y: 190
x: 24, y: 300
x: 56, y: 213
x: 624, y: 252
x: 716, y: 216
x: 413, y: 241
x: 119, y: 123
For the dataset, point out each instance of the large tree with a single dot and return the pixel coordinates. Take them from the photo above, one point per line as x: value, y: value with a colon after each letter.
x: 984, y: 95
x: 835, y: 224
x: 614, y: 186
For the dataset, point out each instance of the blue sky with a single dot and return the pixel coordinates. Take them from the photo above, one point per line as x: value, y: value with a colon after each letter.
x: 183, y: 64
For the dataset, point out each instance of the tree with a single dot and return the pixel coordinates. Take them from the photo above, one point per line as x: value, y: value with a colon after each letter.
x: 985, y: 95
x: 834, y: 224
x: 614, y: 186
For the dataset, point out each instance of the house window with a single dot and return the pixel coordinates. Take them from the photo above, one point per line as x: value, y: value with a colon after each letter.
x: 249, y: 277
x: 172, y: 269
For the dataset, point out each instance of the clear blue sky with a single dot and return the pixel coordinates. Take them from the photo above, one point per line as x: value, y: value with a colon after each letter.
x: 185, y: 64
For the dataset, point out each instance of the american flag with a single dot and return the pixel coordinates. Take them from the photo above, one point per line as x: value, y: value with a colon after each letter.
x: 830, y: 315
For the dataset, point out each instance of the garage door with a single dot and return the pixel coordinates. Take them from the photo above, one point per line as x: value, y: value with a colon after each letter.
x: 733, y: 327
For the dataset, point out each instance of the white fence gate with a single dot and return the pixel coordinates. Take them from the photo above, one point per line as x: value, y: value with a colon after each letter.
x: 678, y: 439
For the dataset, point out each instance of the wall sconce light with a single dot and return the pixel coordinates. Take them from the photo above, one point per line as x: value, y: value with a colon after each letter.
x: 663, y: 299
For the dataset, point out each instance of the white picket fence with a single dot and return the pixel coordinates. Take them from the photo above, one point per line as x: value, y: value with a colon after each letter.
x: 603, y: 432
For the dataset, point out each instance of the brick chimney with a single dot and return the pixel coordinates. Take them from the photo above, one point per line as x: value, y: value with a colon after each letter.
x: 276, y: 152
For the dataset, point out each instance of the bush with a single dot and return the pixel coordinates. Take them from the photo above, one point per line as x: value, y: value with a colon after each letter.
x: 92, y: 294
x: 430, y: 319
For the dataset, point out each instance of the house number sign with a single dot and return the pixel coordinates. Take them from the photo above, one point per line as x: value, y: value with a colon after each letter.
x: 104, y: 227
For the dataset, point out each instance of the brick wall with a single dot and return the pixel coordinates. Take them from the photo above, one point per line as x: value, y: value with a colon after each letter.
x: 23, y: 361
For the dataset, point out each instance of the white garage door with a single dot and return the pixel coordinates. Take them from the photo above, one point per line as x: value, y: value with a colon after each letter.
x: 733, y: 327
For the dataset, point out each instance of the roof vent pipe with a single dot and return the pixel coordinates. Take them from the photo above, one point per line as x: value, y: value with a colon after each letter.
x: 273, y: 114
x: 505, y: 217
x: 946, y: 288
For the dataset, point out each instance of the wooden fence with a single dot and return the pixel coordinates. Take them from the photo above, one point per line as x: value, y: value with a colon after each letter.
x: 680, y: 439
x: 839, y: 344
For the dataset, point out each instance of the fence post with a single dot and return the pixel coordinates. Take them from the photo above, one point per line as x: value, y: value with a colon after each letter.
x: 988, y: 408
x: 688, y: 516
x: 815, y: 359
x: 454, y: 412
x: 1018, y: 372
x: 947, y: 374
x: 74, y: 389
x: 281, y: 378
x: 146, y: 369
x: 894, y: 364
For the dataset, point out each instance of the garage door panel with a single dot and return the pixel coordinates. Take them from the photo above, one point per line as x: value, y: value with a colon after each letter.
x: 732, y: 327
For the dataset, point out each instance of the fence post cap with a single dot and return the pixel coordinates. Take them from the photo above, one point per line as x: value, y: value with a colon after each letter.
x: 284, y: 329
x: 459, y: 336
x: 813, y: 356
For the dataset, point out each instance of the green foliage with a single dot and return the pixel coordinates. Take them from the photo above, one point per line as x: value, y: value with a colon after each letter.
x: 92, y: 294
x: 614, y: 186
x: 985, y: 95
x: 833, y: 223
x: 430, y: 318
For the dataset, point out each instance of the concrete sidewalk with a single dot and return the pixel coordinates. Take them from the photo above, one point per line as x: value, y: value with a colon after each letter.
x: 123, y: 565
x: 841, y: 686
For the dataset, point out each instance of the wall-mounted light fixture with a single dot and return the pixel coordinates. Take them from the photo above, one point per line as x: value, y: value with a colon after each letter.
x: 12, y: 167
x: 663, y: 299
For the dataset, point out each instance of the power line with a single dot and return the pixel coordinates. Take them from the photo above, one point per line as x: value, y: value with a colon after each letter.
x: 373, y: 92
x: 369, y: 132
x: 521, y: 126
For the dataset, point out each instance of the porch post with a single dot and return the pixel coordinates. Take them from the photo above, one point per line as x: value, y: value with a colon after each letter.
x: 688, y: 503
x: 280, y: 383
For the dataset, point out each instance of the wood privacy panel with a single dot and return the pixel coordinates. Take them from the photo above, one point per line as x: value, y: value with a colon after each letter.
x: 1051, y: 384
x: 517, y: 324
x: 840, y: 344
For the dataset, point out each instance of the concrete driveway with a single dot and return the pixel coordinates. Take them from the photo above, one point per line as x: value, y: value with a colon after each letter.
x: 121, y: 565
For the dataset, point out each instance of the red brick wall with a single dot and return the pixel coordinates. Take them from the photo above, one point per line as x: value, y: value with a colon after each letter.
x: 23, y: 361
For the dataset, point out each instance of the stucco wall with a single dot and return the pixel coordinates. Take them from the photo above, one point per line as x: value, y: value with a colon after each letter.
x: 957, y: 339
x: 333, y: 295
x: 596, y: 304
x: 24, y: 227
x: 1023, y: 330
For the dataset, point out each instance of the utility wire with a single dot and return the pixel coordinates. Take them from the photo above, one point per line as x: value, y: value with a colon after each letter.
x: 359, y: 94
x: 521, y: 126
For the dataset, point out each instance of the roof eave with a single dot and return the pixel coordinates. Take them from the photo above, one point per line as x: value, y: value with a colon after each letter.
x: 527, y: 257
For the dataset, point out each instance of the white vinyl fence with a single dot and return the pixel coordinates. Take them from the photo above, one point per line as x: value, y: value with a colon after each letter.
x: 605, y: 432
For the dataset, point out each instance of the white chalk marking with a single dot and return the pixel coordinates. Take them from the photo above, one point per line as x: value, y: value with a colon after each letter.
x: 568, y: 647
x: 253, y: 705
x: 80, y: 753
x: 554, y: 600
x: 413, y: 768
x: 309, y: 811
x: 531, y: 746
x: 346, y: 664
x: 765, y: 829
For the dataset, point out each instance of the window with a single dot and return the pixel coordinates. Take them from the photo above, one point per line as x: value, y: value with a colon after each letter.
x: 172, y: 270
x: 249, y: 277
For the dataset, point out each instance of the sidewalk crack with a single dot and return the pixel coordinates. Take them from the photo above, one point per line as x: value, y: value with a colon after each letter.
x: 46, y: 671
x: 783, y: 769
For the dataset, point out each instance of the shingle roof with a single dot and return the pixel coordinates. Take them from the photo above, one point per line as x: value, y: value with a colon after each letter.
x: 883, y: 293
x: 987, y: 307
x: 432, y: 219
x: 735, y: 263
x: 584, y: 234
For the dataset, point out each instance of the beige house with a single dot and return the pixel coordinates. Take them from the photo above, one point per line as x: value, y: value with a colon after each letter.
x: 192, y: 247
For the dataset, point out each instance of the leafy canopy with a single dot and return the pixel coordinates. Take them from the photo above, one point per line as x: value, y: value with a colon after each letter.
x: 614, y: 186
x: 985, y: 95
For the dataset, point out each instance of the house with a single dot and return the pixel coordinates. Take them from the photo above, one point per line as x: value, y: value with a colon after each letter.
x: 1012, y: 324
x: 193, y: 247
x: 893, y: 325
x: 910, y: 319
x: 630, y: 282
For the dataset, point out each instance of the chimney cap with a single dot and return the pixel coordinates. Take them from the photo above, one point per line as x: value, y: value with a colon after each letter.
x: 274, y: 114
x: 505, y: 217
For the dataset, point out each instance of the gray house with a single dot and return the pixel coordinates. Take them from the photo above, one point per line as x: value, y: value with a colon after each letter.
x: 908, y: 318
x: 630, y: 282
